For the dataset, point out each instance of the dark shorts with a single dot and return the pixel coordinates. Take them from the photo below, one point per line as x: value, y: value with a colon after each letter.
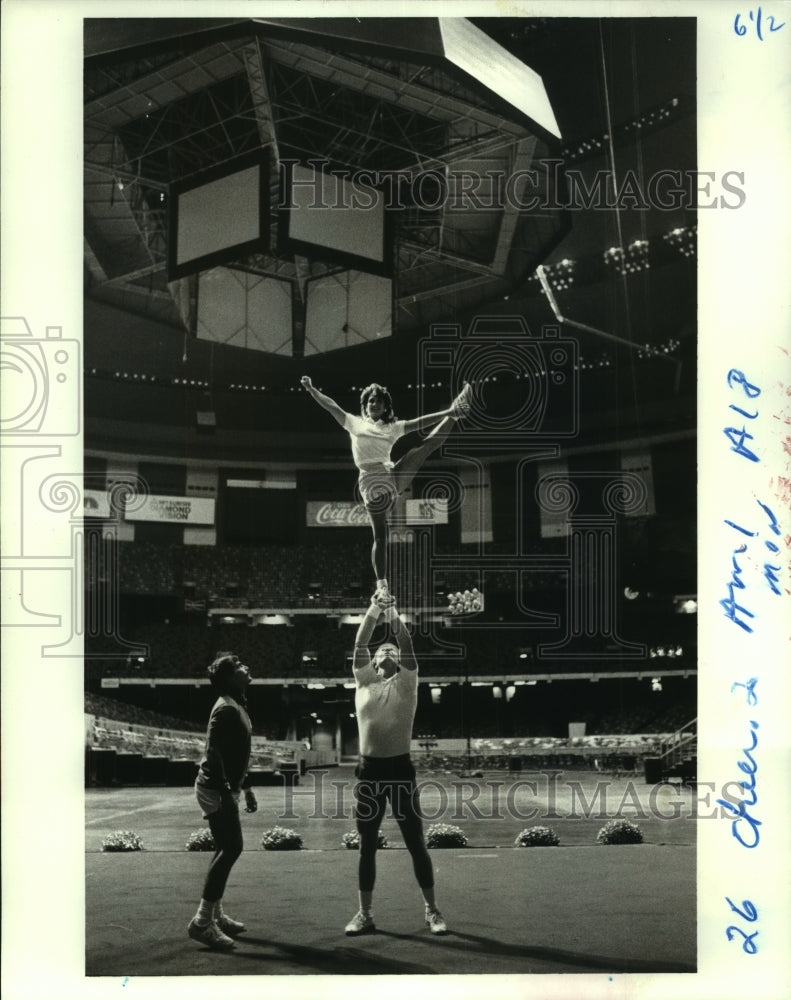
x: 386, y: 779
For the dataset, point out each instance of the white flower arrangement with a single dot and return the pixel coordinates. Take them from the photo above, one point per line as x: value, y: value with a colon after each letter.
x: 281, y: 838
x: 445, y: 835
x: 351, y: 840
x: 620, y: 831
x: 200, y: 840
x: 537, y: 836
x: 122, y: 840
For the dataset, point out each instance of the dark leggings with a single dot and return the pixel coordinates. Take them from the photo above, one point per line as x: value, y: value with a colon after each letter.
x: 372, y: 795
x: 227, y: 832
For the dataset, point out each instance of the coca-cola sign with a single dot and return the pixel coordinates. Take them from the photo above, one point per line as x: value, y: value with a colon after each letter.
x: 335, y: 514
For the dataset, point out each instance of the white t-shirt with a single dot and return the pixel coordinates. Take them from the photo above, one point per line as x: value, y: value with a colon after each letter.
x: 385, y: 711
x: 372, y: 441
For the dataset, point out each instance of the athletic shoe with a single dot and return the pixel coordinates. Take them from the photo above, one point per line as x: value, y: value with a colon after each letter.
x: 229, y: 926
x: 210, y: 935
x: 383, y: 596
x: 361, y: 923
x: 462, y: 404
x: 436, y: 922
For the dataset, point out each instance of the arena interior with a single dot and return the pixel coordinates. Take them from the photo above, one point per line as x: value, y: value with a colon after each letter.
x: 491, y: 219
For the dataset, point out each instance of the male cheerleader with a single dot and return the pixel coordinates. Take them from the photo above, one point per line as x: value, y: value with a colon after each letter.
x: 385, y: 702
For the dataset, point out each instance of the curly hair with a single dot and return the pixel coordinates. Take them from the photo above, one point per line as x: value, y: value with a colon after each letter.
x: 374, y: 389
x: 221, y: 670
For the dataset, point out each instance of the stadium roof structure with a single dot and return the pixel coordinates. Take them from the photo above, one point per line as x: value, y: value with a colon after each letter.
x: 435, y: 99
x: 167, y: 100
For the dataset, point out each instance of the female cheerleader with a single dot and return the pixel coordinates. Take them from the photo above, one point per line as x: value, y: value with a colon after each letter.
x: 373, y: 435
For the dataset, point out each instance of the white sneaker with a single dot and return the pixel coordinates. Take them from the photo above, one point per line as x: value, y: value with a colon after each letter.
x: 436, y: 922
x: 229, y: 926
x: 383, y: 596
x: 210, y: 935
x: 361, y: 923
x: 462, y: 404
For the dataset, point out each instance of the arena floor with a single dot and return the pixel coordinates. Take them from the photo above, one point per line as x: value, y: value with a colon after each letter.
x: 579, y: 907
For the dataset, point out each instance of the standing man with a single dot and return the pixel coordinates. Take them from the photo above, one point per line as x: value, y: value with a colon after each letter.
x: 385, y: 702
x: 217, y: 788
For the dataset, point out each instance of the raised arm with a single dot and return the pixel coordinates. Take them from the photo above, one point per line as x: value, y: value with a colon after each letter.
x: 362, y: 658
x: 325, y: 401
x: 403, y: 638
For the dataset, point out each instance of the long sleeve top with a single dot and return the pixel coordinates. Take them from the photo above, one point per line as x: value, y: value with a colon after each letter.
x: 228, y: 740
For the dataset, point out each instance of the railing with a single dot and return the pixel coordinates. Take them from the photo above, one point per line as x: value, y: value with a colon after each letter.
x: 680, y: 747
x: 105, y: 733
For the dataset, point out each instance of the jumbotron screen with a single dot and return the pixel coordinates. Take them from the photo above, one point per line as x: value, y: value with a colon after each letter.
x: 218, y: 214
x: 331, y: 217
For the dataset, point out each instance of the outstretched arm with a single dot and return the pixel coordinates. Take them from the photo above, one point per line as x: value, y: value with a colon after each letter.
x: 325, y: 401
x: 362, y: 657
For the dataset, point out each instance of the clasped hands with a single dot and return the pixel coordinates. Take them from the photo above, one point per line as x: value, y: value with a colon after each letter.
x: 385, y: 605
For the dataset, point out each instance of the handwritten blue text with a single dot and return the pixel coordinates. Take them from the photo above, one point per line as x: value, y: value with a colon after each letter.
x: 738, y: 612
x: 757, y: 18
x: 748, y: 834
x: 749, y: 913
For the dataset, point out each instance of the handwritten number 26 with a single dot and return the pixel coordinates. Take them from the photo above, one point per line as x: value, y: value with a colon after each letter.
x: 750, y: 914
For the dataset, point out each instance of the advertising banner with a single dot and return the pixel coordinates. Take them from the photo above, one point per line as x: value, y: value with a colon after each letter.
x: 95, y: 503
x: 174, y: 510
x: 427, y: 511
x: 335, y: 514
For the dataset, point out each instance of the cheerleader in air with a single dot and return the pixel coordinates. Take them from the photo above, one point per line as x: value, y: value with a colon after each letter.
x: 373, y: 435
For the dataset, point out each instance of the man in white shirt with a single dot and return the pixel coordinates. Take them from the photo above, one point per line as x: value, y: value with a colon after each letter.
x: 385, y: 702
